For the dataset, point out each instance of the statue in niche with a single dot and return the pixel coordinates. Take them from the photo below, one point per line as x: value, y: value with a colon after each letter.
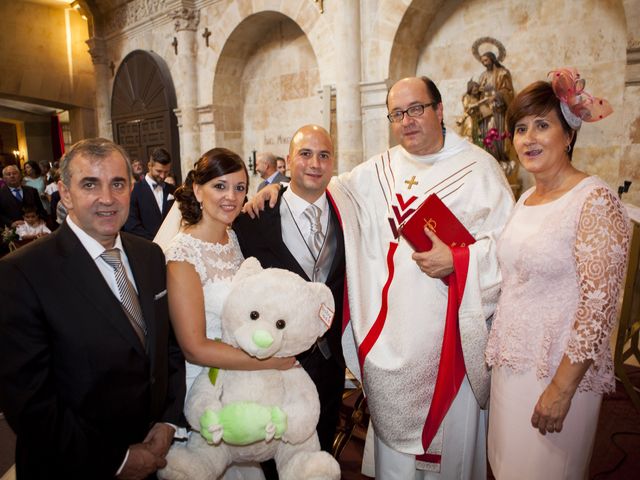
x: 475, y: 109
x: 496, y: 93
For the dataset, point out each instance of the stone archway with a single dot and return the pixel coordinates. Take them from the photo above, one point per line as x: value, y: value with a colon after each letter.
x: 409, y: 37
x: 142, y: 108
x: 266, y: 85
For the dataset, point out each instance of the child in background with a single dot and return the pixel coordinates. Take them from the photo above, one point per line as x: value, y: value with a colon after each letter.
x: 33, y: 226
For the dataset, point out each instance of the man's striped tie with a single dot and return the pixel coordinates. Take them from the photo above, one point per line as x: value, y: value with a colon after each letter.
x: 128, y: 296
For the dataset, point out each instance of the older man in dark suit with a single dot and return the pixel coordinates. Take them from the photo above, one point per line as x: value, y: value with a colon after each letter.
x: 90, y: 373
x: 14, y: 197
x: 302, y: 233
x: 151, y: 198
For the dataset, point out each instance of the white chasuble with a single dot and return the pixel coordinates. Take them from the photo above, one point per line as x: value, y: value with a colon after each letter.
x: 398, y: 312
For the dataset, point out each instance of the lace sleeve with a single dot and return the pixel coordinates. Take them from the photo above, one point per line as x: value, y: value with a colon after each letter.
x: 180, y: 251
x: 602, y: 242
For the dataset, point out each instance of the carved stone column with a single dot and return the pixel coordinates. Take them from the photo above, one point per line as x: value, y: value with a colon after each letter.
x: 98, y: 52
x: 374, y: 118
x: 186, y: 84
x: 207, y: 128
x: 348, y: 104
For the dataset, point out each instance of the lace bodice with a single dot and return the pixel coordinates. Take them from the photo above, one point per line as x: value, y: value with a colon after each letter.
x: 216, y: 264
x: 562, y: 265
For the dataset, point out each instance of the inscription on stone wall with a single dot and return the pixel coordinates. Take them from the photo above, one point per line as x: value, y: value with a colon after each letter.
x: 277, y: 140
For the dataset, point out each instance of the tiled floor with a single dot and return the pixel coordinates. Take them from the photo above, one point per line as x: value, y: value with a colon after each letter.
x: 617, y: 444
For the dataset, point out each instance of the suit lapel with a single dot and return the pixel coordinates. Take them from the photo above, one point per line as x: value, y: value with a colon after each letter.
x: 338, y: 258
x: 272, y: 228
x: 151, y: 198
x: 83, y: 275
x: 10, y: 197
x: 165, y: 202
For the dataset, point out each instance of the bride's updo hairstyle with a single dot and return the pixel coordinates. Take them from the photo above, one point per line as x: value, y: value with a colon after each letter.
x: 213, y: 164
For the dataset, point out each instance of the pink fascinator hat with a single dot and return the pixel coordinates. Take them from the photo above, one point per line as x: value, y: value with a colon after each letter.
x: 576, y: 104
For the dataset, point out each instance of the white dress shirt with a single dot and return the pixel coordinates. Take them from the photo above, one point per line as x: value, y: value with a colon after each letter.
x: 158, y: 191
x: 296, y: 227
x: 95, y: 249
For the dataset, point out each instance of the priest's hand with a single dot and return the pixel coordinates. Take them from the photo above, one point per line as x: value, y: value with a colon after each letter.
x: 257, y: 204
x: 437, y: 262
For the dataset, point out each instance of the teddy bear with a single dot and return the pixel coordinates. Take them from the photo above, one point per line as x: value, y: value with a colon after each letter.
x: 252, y: 416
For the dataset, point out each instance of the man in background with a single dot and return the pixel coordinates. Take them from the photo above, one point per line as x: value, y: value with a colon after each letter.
x: 14, y: 197
x: 151, y: 198
x: 266, y: 166
x: 281, y: 165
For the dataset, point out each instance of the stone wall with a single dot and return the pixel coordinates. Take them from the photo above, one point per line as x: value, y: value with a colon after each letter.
x: 280, y: 87
x: 538, y: 36
x: 267, y: 61
x: 34, y: 56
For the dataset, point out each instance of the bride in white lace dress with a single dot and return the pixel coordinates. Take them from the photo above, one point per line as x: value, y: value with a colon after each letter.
x: 201, y: 260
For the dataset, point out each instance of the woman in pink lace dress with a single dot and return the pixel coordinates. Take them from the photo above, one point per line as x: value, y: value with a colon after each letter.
x: 563, y: 256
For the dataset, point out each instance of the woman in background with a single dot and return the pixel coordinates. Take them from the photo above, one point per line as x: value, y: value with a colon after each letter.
x: 33, y: 178
x: 563, y: 257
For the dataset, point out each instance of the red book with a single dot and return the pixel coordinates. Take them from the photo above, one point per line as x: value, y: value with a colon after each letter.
x: 436, y: 216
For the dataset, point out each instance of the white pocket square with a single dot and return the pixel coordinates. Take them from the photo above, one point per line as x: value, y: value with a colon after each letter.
x: 170, y: 197
x: 160, y: 295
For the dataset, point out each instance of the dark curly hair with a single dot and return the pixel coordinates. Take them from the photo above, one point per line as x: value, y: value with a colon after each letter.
x: 36, y: 168
x: 213, y: 164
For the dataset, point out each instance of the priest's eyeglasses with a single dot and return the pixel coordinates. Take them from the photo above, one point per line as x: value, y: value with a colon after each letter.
x: 412, y: 111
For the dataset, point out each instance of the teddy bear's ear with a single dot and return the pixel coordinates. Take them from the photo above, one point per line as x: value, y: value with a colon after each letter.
x: 251, y: 266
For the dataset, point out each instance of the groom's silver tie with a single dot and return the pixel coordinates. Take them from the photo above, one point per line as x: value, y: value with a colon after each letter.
x: 316, y: 237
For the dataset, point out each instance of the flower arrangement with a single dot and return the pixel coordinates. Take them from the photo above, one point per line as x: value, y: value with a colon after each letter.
x: 9, y: 237
x: 493, y: 139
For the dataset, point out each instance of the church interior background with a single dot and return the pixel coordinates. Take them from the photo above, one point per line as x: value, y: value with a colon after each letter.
x: 190, y: 75
x: 245, y: 74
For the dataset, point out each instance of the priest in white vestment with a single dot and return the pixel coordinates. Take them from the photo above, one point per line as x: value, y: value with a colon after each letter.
x: 397, y: 298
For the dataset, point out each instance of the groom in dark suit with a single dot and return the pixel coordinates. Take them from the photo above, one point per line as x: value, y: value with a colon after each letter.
x: 302, y: 233
x: 151, y: 198
x: 90, y: 373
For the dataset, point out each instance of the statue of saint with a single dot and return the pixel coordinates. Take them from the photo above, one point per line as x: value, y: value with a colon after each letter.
x: 496, y: 90
x: 475, y: 109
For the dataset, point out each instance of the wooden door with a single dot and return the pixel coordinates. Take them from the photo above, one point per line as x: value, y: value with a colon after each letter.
x: 142, y: 108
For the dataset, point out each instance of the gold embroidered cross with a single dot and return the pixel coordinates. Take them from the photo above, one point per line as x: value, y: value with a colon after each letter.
x: 411, y: 182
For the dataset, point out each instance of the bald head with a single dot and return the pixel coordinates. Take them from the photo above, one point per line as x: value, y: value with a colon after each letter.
x: 309, y: 131
x: 266, y: 164
x: 310, y: 159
